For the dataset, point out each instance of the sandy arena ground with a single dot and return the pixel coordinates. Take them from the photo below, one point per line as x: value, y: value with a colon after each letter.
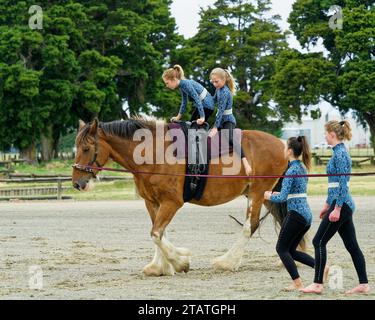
x: 96, y: 250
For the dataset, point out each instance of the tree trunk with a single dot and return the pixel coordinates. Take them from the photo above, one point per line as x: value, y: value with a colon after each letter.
x: 370, y: 119
x: 56, y: 140
x: 55, y: 148
x: 47, y: 142
x: 29, y: 154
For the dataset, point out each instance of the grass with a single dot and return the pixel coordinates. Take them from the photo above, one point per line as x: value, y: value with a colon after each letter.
x: 59, y: 167
x: 359, y: 186
x: 125, y: 190
x: 113, y: 190
x: 354, y: 152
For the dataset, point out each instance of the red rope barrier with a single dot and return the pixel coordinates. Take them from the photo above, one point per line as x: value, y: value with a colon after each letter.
x: 316, y: 175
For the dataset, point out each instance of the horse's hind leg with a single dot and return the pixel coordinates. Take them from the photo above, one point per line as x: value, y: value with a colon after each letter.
x: 179, y: 258
x: 231, y: 260
x: 255, y: 213
x: 159, y: 265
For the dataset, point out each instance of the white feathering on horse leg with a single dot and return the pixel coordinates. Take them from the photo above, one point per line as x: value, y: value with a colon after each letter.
x: 231, y: 260
x: 159, y: 266
x: 180, y: 263
x: 180, y: 250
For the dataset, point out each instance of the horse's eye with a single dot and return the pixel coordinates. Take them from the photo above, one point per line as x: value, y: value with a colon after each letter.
x: 86, y: 149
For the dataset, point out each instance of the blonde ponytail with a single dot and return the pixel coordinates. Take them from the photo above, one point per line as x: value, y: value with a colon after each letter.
x: 179, y: 72
x: 342, y: 129
x: 230, y: 82
x: 174, y: 73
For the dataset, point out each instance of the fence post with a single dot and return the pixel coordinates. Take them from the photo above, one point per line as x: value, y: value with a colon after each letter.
x: 59, y: 189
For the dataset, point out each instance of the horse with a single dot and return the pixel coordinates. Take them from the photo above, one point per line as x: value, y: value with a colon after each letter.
x: 162, y: 189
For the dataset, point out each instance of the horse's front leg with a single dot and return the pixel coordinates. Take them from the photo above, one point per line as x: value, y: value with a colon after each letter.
x: 159, y: 266
x: 179, y: 258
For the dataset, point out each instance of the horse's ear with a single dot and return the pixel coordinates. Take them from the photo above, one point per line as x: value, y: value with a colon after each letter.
x: 81, y: 124
x: 94, y: 126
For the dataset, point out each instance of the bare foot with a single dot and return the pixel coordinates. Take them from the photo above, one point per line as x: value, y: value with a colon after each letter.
x: 362, y: 288
x: 296, y: 285
x: 316, y: 288
x: 292, y: 287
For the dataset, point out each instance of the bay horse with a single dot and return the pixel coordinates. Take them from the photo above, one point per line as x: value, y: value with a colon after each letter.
x: 97, y: 142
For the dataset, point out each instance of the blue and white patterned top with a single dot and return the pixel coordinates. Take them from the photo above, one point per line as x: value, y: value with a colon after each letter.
x: 295, y: 186
x: 224, y: 100
x: 191, y: 88
x: 340, y: 163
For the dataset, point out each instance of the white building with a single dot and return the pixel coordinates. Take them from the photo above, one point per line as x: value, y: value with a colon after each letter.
x: 314, y: 128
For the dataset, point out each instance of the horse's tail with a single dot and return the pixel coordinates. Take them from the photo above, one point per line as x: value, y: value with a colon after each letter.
x: 279, y: 211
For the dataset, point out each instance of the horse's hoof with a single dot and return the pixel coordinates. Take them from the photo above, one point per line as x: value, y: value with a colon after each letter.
x: 153, y: 270
x: 219, y: 263
x: 182, y: 265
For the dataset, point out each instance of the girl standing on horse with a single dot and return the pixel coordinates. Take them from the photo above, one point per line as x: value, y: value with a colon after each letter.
x: 337, y: 213
x: 204, y: 104
x: 299, y: 217
x: 225, y: 90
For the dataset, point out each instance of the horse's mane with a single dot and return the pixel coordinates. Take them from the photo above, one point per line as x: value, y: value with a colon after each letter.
x: 121, y: 128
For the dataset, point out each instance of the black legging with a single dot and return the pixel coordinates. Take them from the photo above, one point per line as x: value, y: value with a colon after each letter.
x: 230, y: 126
x: 346, y: 230
x: 196, y: 115
x: 292, y: 231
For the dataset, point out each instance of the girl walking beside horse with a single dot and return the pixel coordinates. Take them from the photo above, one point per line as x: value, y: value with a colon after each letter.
x: 299, y: 217
x: 337, y: 212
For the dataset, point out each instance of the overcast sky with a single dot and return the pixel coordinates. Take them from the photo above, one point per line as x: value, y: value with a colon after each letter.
x: 187, y: 17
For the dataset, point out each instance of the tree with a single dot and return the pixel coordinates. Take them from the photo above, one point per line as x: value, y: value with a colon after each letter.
x: 143, y: 35
x: 44, y: 71
x: 345, y: 75
x: 237, y: 35
x: 86, y: 61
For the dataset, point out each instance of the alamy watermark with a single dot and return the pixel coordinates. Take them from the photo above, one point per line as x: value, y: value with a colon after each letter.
x: 335, y: 278
x: 172, y: 147
x: 36, y: 20
x: 36, y: 278
x: 336, y: 20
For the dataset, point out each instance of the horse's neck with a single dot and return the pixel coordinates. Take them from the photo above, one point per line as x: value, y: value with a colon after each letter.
x: 122, y: 152
x: 122, y: 149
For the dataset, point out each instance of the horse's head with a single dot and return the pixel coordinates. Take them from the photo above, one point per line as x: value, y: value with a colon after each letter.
x: 91, y: 151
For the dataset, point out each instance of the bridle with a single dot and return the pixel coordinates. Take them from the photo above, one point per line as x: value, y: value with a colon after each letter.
x: 86, y: 168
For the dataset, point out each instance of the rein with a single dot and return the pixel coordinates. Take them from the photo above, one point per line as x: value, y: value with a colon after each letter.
x: 88, y: 168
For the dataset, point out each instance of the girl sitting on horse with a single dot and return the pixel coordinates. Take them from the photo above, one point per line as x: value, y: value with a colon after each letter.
x: 225, y: 89
x: 299, y: 217
x: 204, y: 105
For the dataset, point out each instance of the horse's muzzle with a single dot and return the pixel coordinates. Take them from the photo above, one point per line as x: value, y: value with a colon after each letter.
x: 76, y: 186
x: 80, y: 185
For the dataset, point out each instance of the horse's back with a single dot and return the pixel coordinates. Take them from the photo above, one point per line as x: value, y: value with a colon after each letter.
x: 265, y: 151
x: 261, y: 139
